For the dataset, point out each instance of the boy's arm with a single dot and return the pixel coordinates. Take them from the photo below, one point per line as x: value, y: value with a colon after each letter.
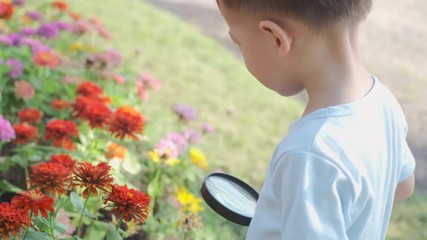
x: 404, y: 189
x: 310, y: 191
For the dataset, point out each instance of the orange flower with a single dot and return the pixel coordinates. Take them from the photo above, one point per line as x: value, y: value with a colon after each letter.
x: 51, y: 178
x: 115, y: 151
x: 128, y: 203
x: 74, y: 15
x: 97, y: 114
x: 62, y: 159
x: 46, y: 59
x: 59, y: 104
x: 25, y: 133
x: 61, y: 131
x: 34, y: 201
x: 6, y: 10
x: 126, y: 121
x: 30, y: 115
x: 61, y: 5
x: 12, y: 221
x: 92, y: 178
x: 89, y: 89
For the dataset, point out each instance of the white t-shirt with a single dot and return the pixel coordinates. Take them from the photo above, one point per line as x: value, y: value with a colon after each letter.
x: 334, y: 175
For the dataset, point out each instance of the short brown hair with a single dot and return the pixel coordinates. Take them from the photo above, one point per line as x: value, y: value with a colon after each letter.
x: 319, y: 14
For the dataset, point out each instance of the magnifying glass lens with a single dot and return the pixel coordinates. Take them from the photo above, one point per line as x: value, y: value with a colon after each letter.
x: 230, y: 197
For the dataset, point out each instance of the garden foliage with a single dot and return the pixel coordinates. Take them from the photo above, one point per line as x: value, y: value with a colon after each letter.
x: 75, y: 162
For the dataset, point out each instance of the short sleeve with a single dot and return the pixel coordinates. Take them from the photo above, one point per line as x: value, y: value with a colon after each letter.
x: 313, y: 194
x: 408, y: 163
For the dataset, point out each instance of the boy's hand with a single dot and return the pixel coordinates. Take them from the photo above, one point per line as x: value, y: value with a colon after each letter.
x: 404, y: 189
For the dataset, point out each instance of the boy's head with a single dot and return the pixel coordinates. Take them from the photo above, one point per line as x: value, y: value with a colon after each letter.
x: 318, y: 14
x: 280, y: 39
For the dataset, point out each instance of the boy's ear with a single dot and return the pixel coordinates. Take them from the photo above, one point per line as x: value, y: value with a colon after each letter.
x: 282, y: 39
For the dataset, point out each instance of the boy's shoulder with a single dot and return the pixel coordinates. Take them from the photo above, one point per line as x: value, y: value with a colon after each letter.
x: 346, y: 129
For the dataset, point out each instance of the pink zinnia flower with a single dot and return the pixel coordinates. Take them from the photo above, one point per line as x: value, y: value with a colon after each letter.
x: 24, y: 90
x: 7, y: 132
x: 118, y: 78
x: 149, y: 81
x: 141, y: 92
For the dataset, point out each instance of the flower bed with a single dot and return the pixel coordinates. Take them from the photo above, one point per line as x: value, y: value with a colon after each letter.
x: 74, y: 160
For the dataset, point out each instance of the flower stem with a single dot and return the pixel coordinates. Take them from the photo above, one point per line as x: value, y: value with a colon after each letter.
x: 26, y: 230
x: 119, y: 223
x: 27, y: 178
x: 51, y: 231
x: 79, y: 229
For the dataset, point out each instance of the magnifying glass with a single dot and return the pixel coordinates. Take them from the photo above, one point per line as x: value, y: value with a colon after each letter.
x: 230, y: 197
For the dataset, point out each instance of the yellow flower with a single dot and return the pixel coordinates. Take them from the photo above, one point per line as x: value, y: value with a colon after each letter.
x: 198, y: 158
x: 80, y: 47
x: 172, y: 161
x: 188, y: 201
x: 154, y: 156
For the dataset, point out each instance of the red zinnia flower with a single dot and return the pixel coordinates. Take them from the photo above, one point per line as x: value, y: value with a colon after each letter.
x: 59, y: 104
x: 129, y: 203
x: 92, y: 177
x: 126, y: 121
x: 97, y: 114
x: 61, y: 132
x: 30, y: 115
x: 115, y: 151
x: 12, y: 221
x: 89, y: 89
x: 79, y: 106
x: 34, y: 201
x: 46, y: 59
x: 25, y: 133
x: 6, y: 10
x: 51, y: 178
x: 61, y: 5
x: 62, y: 159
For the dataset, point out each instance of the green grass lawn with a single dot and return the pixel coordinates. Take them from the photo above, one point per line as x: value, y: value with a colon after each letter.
x: 249, y: 120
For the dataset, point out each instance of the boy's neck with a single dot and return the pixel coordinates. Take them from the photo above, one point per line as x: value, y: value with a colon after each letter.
x: 335, y: 75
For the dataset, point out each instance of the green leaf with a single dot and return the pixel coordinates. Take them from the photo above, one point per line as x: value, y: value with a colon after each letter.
x: 33, y: 235
x: 76, y: 201
x: 88, y: 214
x: 112, y: 234
x: 6, y: 186
x: 42, y: 223
x: 59, y: 227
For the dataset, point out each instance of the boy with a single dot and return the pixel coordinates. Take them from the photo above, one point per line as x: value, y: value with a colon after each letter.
x: 342, y: 165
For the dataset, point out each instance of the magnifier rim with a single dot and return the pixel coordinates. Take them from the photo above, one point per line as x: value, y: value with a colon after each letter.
x: 221, y: 209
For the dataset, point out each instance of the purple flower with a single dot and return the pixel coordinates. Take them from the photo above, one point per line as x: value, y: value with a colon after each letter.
x: 34, y: 15
x: 17, y: 68
x: 7, y: 132
x: 15, y: 39
x: 27, y: 32
x: 18, y: 3
x: 48, y: 30
x: 207, y: 128
x: 185, y: 112
x: 63, y: 26
x: 35, y: 45
x: 193, y: 136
